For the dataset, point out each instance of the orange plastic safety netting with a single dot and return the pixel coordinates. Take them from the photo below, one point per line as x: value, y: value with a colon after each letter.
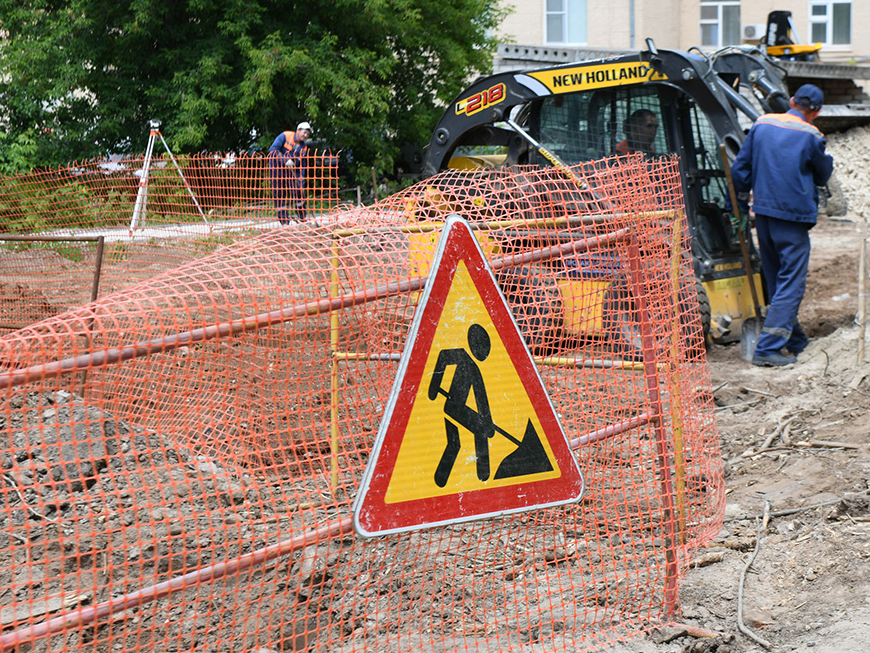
x: 180, y: 457
x: 163, y: 189
x: 135, y: 217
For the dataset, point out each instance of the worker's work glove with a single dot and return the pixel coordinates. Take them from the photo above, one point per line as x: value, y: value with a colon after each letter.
x: 289, y: 163
x: 738, y: 223
x: 739, y: 219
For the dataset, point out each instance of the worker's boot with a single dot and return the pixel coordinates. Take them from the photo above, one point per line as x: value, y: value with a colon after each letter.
x: 773, y: 359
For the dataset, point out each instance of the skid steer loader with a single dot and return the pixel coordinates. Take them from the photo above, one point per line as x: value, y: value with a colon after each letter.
x: 579, y: 112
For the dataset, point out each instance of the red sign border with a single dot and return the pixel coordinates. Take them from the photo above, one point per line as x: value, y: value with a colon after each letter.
x: 372, y: 515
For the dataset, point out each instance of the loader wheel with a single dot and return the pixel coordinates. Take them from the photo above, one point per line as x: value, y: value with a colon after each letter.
x: 704, y: 308
x: 535, y: 302
x: 694, y: 303
x: 621, y: 322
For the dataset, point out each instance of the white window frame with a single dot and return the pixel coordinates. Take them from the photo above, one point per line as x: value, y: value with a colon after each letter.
x: 566, y: 17
x: 828, y: 21
x: 719, y: 4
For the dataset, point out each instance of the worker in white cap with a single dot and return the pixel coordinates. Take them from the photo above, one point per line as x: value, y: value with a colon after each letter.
x: 287, y: 171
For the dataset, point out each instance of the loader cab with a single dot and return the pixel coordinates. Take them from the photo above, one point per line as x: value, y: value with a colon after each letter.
x: 657, y: 120
x: 589, y: 126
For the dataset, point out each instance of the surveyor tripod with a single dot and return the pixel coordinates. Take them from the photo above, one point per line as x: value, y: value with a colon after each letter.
x: 141, y: 205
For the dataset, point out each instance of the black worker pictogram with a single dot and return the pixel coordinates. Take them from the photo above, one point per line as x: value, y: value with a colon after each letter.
x: 529, y: 457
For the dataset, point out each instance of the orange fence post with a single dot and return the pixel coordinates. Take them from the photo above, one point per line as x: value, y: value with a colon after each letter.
x: 651, y: 376
x: 674, y: 378
x: 334, y: 326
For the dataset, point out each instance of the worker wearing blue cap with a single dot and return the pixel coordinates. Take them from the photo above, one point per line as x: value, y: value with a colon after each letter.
x: 783, y: 162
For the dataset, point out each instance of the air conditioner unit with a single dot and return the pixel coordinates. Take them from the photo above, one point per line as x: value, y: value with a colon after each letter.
x: 754, y: 32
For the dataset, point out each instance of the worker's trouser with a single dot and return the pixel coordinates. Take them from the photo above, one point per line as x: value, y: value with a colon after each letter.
x: 286, y: 187
x: 785, y: 255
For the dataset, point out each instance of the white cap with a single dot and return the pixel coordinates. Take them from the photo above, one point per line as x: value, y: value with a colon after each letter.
x: 303, y: 125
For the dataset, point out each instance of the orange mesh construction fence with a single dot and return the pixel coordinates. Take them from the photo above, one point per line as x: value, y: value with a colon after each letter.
x: 152, y: 191
x: 150, y: 214
x: 180, y: 457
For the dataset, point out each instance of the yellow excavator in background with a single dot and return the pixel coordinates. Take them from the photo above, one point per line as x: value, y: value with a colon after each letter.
x: 781, y: 40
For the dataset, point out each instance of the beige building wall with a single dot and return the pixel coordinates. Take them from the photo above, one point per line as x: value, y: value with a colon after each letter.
x: 609, y: 23
x: 525, y: 24
x: 675, y: 24
x: 660, y: 21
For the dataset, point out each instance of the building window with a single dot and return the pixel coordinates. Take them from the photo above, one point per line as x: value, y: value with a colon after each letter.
x: 720, y: 23
x: 830, y: 22
x: 566, y: 21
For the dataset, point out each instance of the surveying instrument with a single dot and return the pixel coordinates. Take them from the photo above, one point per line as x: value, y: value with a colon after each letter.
x: 142, y: 195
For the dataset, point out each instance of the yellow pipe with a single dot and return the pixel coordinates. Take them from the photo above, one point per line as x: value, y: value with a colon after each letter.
x: 674, y: 379
x: 425, y: 227
x: 555, y: 361
x: 356, y: 356
x: 552, y: 361
x: 333, y: 372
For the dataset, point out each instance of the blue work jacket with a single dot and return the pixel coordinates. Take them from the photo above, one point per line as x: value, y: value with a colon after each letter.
x: 783, y: 161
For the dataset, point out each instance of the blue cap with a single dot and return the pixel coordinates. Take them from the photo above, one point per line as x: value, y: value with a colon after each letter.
x: 809, y: 96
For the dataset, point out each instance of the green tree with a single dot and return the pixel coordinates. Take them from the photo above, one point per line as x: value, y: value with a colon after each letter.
x: 81, y: 78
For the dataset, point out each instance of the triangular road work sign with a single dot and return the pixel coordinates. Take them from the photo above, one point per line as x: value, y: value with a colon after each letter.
x: 469, y: 431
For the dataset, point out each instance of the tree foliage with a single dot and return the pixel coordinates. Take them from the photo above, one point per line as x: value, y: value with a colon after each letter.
x: 81, y: 78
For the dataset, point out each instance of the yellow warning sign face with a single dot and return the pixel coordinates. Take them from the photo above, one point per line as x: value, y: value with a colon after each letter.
x: 469, y: 430
x: 491, y: 389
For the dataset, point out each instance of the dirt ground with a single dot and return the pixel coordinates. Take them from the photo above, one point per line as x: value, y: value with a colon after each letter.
x: 808, y: 587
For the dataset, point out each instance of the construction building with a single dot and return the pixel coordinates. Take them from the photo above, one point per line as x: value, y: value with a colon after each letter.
x: 682, y: 24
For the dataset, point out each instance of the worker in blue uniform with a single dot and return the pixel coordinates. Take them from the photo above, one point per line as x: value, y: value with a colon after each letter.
x: 287, y: 158
x: 783, y: 162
